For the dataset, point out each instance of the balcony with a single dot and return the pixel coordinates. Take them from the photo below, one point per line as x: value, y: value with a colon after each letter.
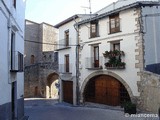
x: 16, y: 62
x: 65, y: 68
x: 114, y: 59
x: 93, y: 64
x: 64, y: 44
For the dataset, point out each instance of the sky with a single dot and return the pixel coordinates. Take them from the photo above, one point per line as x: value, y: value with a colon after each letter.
x: 55, y: 11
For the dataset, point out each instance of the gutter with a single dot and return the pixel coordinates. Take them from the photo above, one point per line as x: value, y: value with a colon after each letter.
x: 133, y: 5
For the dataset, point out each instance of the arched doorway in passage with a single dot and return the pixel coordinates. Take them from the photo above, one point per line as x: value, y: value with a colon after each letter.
x: 52, y: 88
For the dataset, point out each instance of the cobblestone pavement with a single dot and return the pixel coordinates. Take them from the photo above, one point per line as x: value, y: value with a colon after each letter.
x: 50, y: 109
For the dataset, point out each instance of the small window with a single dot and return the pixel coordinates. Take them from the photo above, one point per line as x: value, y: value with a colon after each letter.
x: 13, y: 52
x: 94, y: 29
x: 67, y: 64
x: 14, y: 3
x: 114, y: 23
x: 20, y: 62
x: 67, y: 38
x: 32, y: 59
x: 116, y: 46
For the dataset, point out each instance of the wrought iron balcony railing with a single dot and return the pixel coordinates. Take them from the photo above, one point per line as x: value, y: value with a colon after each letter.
x: 65, y: 68
x: 64, y: 43
x: 92, y: 63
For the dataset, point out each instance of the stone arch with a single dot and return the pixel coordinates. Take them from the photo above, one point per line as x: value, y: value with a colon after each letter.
x: 52, y: 84
x: 94, y: 74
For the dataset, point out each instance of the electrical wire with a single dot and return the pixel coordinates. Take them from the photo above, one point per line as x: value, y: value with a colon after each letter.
x: 48, y: 43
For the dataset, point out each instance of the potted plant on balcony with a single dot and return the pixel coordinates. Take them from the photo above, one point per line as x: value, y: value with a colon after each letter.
x: 130, y: 108
x: 113, y: 53
x: 114, y: 59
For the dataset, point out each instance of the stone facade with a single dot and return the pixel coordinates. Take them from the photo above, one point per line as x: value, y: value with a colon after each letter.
x: 40, y: 60
x: 149, y: 88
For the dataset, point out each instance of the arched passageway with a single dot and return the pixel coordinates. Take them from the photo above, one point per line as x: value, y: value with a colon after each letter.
x: 105, y: 89
x: 52, y: 89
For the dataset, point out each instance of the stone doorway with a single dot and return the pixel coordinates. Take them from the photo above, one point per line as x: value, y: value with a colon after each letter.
x: 52, y: 88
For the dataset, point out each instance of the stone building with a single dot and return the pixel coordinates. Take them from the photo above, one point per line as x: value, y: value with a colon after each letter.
x: 41, y: 61
x: 12, y: 14
x: 118, y: 55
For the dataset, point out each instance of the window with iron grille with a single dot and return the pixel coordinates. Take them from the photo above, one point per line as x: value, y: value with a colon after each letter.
x: 114, y: 23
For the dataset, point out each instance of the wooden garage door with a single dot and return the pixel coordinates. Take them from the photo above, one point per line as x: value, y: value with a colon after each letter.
x: 67, y: 91
x: 106, y: 90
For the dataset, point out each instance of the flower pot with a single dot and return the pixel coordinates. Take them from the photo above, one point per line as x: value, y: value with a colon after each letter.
x: 130, y: 108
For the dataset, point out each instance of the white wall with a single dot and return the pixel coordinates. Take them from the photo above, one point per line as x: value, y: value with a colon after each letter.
x: 71, y: 51
x: 127, y: 44
x: 17, y: 19
x: 4, y: 86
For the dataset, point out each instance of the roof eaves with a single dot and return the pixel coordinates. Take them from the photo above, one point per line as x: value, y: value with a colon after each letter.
x: 66, y: 21
x: 136, y: 4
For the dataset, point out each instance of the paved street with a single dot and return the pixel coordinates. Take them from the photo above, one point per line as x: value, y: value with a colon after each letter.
x: 42, y: 109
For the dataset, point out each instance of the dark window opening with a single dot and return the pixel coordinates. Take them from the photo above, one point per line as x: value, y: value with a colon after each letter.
x: 94, y: 29
x: 67, y: 63
x: 96, y: 56
x: 114, y: 23
x: 14, y: 3
x: 67, y: 38
x: 32, y: 59
x: 116, y: 46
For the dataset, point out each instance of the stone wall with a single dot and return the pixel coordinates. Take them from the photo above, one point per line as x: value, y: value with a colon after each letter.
x: 40, y: 42
x: 36, y: 78
x: 149, y: 88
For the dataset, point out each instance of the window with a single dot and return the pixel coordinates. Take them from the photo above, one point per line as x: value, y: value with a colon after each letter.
x: 114, y: 23
x: 94, y: 29
x: 12, y: 50
x: 16, y: 57
x: 67, y: 63
x: 96, y: 56
x: 14, y: 3
x: 20, y: 62
x: 67, y: 38
x: 32, y: 59
x: 116, y: 46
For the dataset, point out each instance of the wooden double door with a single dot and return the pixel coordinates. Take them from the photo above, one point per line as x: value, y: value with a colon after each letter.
x: 105, y: 89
